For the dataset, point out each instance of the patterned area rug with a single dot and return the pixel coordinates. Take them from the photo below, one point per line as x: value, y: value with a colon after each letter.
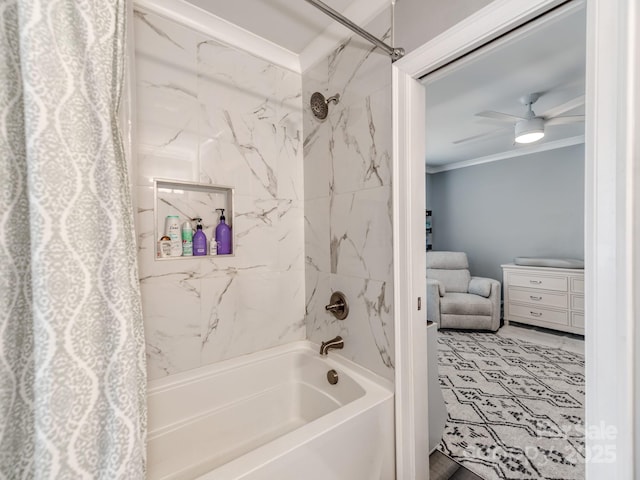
x: 516, y: 409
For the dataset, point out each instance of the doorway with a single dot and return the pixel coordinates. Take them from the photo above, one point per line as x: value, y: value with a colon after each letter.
x: 498, y: 201
x: 608, y: 214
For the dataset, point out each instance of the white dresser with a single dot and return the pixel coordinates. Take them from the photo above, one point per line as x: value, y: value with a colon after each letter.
x: 545, y: 297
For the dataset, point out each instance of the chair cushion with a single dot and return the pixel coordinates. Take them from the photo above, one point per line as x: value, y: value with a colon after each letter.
x: 453, y: 280
x: 464, y: 304
x: 447, y: 260
x: 480, y: 286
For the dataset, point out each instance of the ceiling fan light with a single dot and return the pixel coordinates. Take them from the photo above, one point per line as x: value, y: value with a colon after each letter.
x: 529, y: 137
x: 529, y: 131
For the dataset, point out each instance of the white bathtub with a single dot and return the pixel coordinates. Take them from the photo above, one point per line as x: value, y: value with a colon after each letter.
x: 272, y: 415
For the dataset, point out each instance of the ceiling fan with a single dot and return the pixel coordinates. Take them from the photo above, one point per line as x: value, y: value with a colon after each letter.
x: 530, y: 127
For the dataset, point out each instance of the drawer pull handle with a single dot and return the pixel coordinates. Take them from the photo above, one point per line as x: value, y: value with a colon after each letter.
x: 536, y: 282
x: 537, y: 299
x: 535, y: 314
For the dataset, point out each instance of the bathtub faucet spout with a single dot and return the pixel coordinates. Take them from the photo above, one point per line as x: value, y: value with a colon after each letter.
x: 335, y: 343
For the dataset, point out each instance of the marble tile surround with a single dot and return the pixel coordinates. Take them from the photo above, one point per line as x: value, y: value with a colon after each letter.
x: 347, y: 205
x: 211, y: 114
x: 208, y: 113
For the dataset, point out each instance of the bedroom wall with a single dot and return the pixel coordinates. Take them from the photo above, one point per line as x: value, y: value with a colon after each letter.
x: 526, y: 206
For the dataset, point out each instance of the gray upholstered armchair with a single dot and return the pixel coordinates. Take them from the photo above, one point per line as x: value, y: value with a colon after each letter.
x: 455, y: 299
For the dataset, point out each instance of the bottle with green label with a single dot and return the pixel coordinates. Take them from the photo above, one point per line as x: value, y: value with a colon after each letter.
x: 187, y: 239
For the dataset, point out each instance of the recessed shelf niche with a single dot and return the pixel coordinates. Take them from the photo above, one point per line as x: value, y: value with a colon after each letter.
x: 190, y: 200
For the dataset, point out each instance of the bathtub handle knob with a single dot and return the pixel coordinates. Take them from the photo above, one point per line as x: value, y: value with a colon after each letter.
x: 332, y: 376
x: 338, y: 305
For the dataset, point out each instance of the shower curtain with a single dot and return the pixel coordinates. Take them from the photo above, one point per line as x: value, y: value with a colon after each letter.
x: 72, y: 364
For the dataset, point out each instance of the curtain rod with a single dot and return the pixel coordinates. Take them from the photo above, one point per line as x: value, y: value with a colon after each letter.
x: 394, y: 53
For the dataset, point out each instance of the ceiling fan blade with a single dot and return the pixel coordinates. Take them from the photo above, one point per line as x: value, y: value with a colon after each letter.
x: 564, y: 107
x: 494, y: 122
x: 505, y: 117
x: 481, y: 136
x: 565, y: 120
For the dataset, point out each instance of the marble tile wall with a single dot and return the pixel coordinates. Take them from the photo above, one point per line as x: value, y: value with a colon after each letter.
x: 208, y: 113
x: 347, y: 202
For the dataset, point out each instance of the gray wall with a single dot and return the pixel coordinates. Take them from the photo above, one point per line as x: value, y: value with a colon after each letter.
x: 524, y: 206
x: 418, y: 21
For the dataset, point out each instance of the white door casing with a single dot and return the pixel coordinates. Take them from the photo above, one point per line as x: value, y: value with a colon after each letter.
x: 412, y: 429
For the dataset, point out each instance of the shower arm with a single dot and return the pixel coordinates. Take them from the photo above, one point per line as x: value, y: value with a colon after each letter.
x: 394, y: 53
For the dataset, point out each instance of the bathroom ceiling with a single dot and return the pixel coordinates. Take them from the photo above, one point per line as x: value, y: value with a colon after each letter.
x: 548, y: 59
x: 291, y: 24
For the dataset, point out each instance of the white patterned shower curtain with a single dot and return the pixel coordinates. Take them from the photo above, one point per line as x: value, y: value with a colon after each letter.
x: 72, y: 364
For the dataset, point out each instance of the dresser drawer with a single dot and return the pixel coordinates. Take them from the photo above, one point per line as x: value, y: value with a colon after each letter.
x: 539, y: 314
x: 577, y: 302
x: 546, y: 282
x: 577, y: 320
x: 577, y: 284
x: 542, y: 298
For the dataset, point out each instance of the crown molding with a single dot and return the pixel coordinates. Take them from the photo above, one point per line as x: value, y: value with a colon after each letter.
x: 221, y: 30
x: 544, y: 147
x: 360, y: 12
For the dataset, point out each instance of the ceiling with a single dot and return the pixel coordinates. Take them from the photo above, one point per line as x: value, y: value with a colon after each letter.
x: 291, y: 24
x: 547, y: 57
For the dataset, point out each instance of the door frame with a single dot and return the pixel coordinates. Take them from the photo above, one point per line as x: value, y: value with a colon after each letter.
x: 612, y: 228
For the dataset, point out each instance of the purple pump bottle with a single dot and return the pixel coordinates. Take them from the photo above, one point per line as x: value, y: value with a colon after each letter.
x: 199, y: 240
x: 223, y: 235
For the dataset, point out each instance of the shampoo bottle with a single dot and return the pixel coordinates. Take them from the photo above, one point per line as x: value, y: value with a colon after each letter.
x: 199, y: 240
x: 223, y: 235
x: 172, y: 230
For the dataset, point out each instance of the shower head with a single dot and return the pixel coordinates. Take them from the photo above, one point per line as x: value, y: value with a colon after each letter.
x: 320, y: 105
